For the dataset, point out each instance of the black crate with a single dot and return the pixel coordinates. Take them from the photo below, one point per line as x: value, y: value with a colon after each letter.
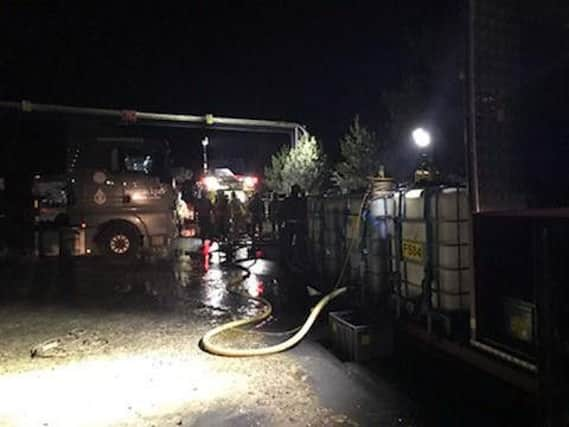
x: 356, y: 339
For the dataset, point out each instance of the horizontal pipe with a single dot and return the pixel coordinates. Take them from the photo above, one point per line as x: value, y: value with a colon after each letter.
x: 229, y: 123
x: 216, y: 126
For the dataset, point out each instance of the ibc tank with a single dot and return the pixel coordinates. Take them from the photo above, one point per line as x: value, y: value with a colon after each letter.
x: 334, y: 230
x: 315, y: 231
x: 379, y: 238
x: 333, y: 243
x: 443, y: 212
x: 354, y: 227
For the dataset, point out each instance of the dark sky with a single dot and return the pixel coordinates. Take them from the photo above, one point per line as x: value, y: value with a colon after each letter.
x: 314, y: 62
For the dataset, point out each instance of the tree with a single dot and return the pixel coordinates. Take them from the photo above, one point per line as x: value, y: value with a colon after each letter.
x: 274, y: 172
x: 359, y: 148
x: 303, y: 164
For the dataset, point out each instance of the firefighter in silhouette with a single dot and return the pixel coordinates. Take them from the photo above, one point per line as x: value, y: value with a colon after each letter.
x: 222, y: 215
x: 275, y: 215
x: 237, y: 211
x: 293, y: 237
x: 204, y: 209
x: 257, y: 214
x: 294, y: 253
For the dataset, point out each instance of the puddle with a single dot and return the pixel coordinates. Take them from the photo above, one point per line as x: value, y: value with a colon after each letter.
x: 208, y: 286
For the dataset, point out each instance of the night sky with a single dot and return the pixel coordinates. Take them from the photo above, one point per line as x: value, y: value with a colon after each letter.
x: 317, y: 63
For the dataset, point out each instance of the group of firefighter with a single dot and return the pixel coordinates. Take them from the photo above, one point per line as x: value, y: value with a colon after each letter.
x: 229, y: 218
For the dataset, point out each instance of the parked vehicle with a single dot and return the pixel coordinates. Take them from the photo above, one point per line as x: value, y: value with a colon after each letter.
x: 116, y: 199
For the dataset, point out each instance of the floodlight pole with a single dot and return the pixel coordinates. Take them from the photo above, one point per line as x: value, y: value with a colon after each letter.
x: 205, y: 143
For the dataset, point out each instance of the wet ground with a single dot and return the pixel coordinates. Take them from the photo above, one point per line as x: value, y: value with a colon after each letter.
x: 93, y: 343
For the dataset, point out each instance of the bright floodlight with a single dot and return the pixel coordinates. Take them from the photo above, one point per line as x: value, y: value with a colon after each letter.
x: 421, y: 137
x: 205, y: 141
x: 212, y: 183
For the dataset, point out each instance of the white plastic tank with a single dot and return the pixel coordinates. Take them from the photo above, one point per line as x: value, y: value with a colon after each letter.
x: 353, y: 234
x: 380, y: 237
x: 314, y: 208
x: 449, y: 215
x: 333, y: 242
x: 315, y: 231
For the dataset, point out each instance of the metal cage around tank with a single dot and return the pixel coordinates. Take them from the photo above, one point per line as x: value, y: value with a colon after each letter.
x: 332, y: 227
x: 379, y: 232
x: 431, y: 255
x: 353, y: 233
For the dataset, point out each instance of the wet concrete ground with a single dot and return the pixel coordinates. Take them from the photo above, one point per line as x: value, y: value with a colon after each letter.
x: 117, y: 344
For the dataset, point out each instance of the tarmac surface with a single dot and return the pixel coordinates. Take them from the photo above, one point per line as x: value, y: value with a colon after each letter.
x: 93, y: 343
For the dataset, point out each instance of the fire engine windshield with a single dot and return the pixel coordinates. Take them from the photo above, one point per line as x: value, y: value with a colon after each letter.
x: 138, y: 162
x: 122, y: 155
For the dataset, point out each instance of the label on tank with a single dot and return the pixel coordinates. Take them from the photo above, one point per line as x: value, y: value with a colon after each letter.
x: 413, y: 251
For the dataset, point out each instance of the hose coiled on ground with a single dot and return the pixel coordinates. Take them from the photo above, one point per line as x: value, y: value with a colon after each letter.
x: 206, y: 343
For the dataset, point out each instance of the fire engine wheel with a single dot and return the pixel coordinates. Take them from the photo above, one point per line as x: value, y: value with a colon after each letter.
x: 120, y: 241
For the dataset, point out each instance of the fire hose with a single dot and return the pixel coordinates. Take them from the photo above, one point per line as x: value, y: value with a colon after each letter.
x: 206, y: 342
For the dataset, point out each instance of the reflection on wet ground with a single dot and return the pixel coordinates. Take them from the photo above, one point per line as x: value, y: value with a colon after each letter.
x: 212, y: 285
x: 196, y: 285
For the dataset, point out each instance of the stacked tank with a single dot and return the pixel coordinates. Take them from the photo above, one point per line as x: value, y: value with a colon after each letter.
x: 315, y: 232
x: 354, y: 232
x: 415, y: 245
x: 432, y: 250
x: 326, y: 234
x: 333, y: 242
x: 379, y: 238
x: 334, y: 229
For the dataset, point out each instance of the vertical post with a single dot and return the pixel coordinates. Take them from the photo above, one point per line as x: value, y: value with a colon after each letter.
x: 427, y: 292
x: 471, y: 154
x: 543, y: 303
x: 294, y: 136
x: 470, y: 140
x: 205, y: 143
x: 553, y: 389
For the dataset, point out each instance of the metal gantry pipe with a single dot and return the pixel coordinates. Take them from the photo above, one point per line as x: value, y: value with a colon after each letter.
x: 223, y: 123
